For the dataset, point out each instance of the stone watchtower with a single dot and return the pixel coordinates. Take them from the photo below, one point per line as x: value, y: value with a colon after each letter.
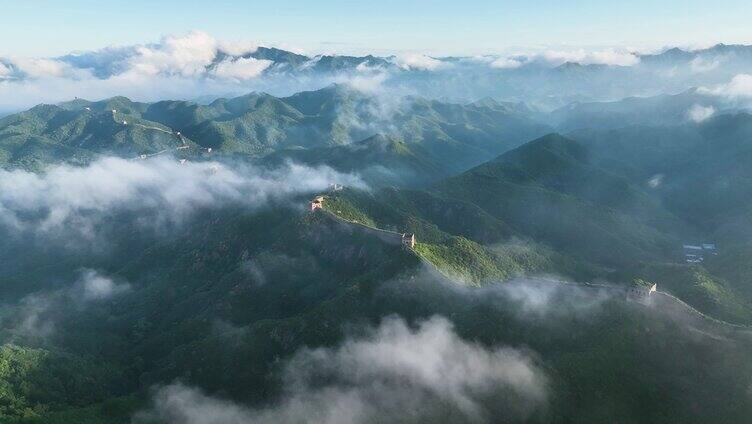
x: 641, y: 291
x: 408, y: 240
x: 317, y: 203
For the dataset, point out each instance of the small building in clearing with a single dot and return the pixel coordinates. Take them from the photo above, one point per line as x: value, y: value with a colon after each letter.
x: 693, y: 254
x: 709, y: 248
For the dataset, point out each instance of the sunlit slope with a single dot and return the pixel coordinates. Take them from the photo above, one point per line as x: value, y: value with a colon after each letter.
x: 49, y: 134
x: 444, y: 137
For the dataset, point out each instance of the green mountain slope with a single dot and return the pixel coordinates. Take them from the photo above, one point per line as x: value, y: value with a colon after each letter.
x: 699, y: 171
x: 224, y: 299
x: 222, y: 302
x: 459, y: 238
x: 48, y: 134
x: 548, y: 191
x: 380, y: 160
x: 547, y: 207
x: 444, y: 138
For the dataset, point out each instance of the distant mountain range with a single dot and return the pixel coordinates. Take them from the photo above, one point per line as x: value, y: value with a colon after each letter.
x: 283, y: 61
x: 545, y: 80
x: 664, y: 109
x: 337, y: 125
x: 436, y: 137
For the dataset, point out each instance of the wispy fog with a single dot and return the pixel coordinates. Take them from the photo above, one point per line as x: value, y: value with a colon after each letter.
x: 93, y: 286
x: 34, y: 317
x: 740, y: 86
x: 74, y: 199
x: 395, y: 373
x: 700, y: 113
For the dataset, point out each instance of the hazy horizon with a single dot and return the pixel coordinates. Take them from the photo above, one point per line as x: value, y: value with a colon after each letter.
x: 53, y: 28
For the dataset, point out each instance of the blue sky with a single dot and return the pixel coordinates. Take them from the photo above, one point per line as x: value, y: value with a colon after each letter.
x: 46, y: 27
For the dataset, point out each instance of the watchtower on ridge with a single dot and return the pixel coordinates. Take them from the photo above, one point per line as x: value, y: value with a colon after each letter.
x: 641, y: 291
x: 408, y: 240
x: 317, y: 203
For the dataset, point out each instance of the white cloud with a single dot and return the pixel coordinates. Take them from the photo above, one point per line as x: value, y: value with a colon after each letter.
x: 603, y: 57
x: 184, y: 67
x: 558, y: 57
x: 739, y: 86
x: 393, y: 374
x: 367, y: 83
x: 237, y: 48
x: 46, y: 68
x: 421, y: 62
x: 69, y: 198
x: 698, y: 113
x: 188, y: 55
x: 95, y: 286
x: 36, y: 68
x: 366, y: 78
x: 241, y: 68
x: 613, y: 57
x: 177, y: 67
x: 700, y: 64
x: 363, y: 68
x: 506, y: 63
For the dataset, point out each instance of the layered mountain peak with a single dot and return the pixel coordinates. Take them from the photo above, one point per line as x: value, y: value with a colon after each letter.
x: 553, y: 143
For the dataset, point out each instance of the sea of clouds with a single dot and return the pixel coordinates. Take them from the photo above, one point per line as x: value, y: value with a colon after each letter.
x: 74, y: 199
x: 197, y: 65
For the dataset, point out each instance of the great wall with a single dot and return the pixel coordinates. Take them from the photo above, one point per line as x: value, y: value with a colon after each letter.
x: 406, y: 240
x: 180, y: 137
x: 647, y: 296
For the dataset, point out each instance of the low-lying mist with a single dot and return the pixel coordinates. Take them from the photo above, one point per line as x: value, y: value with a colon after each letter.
x: 393, y: 373
x: 74, y: 200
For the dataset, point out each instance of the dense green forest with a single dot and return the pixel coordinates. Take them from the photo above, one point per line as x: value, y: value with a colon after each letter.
x: 128, y: 283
